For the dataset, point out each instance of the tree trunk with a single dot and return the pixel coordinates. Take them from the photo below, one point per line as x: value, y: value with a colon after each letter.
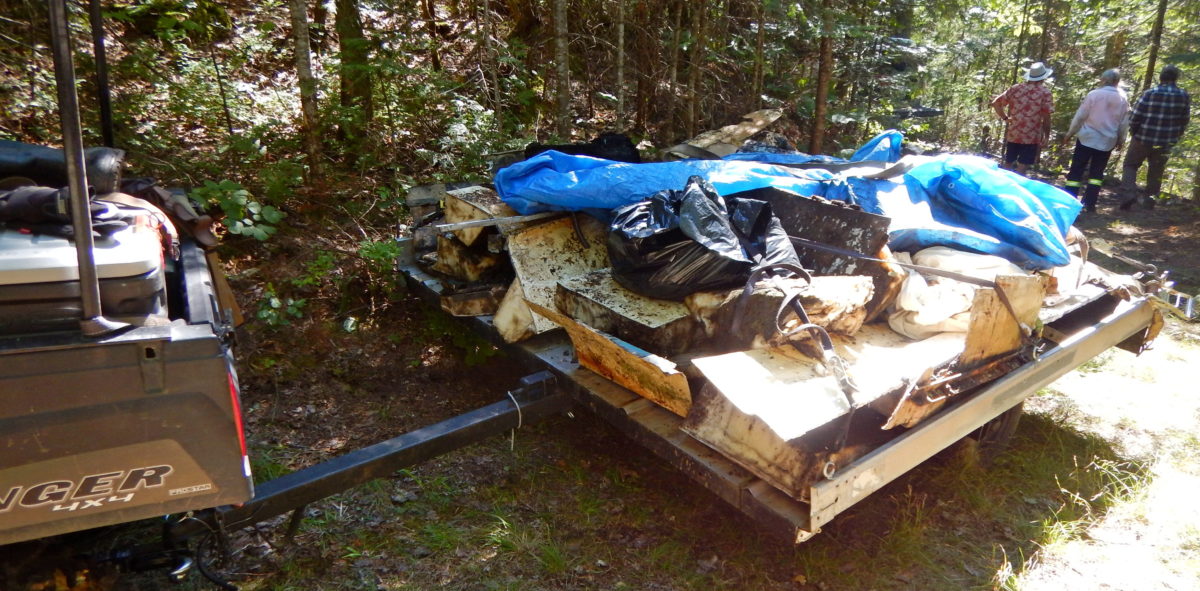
x: 694, y: 57
x: 1047, y: 30
x: 1114, y: 48
x: 308, y: 86
x: 491, y: 65
x: 560, y: 59
x: 1196, y: 182
x: 824, y: 74
x: 759, y: 59
x: 673, y: 76
x: 1155, y: 41
x: 354, y: 74
x: 318, y: 31
x: 1020, y: 43
x: 620, y: 65
x: 435, y: 58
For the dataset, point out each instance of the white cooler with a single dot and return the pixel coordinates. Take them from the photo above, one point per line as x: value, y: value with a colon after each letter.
x: 39, y: 279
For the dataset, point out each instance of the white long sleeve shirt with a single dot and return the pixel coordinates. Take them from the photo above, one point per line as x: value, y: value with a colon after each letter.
x: 1102, y: 119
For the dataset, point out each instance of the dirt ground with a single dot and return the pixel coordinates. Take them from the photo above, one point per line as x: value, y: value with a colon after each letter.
x: 1093, y: 484
x: 1166, y: 236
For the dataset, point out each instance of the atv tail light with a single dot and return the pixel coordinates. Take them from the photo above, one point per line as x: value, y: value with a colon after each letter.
x: 237, y: 419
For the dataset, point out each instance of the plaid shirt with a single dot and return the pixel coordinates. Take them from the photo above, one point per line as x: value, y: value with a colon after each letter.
x: 1160, y: 115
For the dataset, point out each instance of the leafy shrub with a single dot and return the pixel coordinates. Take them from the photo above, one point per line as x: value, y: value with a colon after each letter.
x: 243, y: 215
x: 380, y: 255
x: 317, y: 270
x: 275, y: 310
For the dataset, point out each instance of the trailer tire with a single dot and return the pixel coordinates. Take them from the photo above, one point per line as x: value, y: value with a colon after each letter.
x: 993, y: 437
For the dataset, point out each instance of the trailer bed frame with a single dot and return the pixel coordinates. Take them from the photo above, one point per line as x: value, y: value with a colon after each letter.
x: 658, y: 430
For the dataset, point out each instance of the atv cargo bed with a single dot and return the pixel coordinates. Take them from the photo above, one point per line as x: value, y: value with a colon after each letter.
x: 98, y: 431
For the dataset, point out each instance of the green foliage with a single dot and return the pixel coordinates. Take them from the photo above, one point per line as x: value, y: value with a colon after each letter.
x: 317, y: 271
x: 243, y: 215
x: 276, y: 310
x: 380, y: 256
x: 175, y: 20
x: 266, y: 463
x: 476, y: 350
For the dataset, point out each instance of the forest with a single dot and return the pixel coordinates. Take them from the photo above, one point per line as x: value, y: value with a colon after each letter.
x: 302, y: 125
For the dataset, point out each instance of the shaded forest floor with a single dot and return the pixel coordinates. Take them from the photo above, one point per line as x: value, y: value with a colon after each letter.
x: 1093, y: 492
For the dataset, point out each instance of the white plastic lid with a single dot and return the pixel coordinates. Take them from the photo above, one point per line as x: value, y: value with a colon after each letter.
x: 38, y: 258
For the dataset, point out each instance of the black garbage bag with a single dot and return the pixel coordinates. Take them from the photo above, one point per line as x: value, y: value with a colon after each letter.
x: 44, y: 210
x: 679, y: 242
x: 608, y: 145
x: 47, y: 166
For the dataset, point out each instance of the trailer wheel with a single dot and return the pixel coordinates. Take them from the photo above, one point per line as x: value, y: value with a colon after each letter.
x: 993, y: 437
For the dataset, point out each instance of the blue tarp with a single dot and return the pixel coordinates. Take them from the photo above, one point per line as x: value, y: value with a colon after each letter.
x: 885, y: 146
x: 779, y: 158
x: 555, y: 181
x: 963, y: 202
x: 1023, y: 220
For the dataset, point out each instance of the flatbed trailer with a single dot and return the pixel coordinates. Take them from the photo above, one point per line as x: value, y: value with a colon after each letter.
x: 1102, y: 321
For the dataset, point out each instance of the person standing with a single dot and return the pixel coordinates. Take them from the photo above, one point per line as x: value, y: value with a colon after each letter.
x: 1099, y: 126
x: 1026, y: 108
x: 1157, y: 123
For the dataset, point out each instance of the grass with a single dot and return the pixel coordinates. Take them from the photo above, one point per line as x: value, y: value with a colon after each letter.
x: 574, y: 505
x: 653, y: 529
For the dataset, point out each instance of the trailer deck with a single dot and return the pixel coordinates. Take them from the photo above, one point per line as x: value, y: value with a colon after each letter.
x: 1088, y: 328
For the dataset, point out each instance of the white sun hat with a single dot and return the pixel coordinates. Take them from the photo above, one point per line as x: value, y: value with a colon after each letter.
x: 1038, y: 71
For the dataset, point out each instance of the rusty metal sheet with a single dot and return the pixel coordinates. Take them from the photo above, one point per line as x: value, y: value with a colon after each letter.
x: 471, y: 264
x: 475, y: 301
x: 649, y: 375
x: 470, y: 204
x: 596, y: 299
x: 760, y: 404
x: 545, y: 253
x: 839, y: 225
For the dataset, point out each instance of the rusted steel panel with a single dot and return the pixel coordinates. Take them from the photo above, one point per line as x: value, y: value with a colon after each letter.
x: 761, y: 404
x: 545, y: 253
x: 470, y: 204
x: 839, y: 225
x: 597, y: 300
x: 888, y: 462
x: 467, y: 263
x: 475, y: 301
x: 647, y: 374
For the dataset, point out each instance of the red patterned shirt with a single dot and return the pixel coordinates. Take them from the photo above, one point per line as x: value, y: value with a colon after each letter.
x: 1028, y: 107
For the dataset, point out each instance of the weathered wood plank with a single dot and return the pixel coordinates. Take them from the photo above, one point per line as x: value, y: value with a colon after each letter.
x: 993, y: 331
x: 473, y: 204
x: 729, y: 138
x: 649, y: 375
x: 597, y: 300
